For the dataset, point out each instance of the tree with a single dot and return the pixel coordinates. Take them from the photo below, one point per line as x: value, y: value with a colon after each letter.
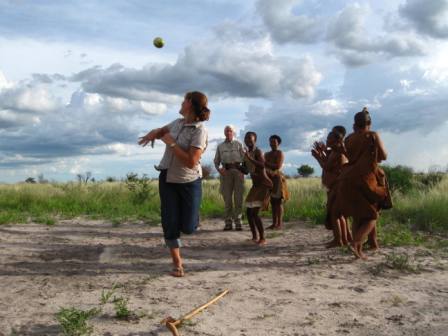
x: 84, y: 178
x: 305, y: 170
x: 30, y: 180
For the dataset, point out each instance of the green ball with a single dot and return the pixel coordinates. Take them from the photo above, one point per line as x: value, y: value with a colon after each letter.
x: 158, y: 42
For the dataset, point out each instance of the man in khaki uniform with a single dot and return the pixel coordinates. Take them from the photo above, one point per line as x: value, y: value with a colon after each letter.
x: 228, y: 159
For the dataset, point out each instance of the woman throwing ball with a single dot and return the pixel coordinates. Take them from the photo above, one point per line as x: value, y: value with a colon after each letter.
x: 180, y: 187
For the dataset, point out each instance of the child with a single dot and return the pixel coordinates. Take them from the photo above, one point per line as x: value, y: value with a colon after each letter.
x: 331, y: 159
x: 259, y: 194
x: 274, y: 162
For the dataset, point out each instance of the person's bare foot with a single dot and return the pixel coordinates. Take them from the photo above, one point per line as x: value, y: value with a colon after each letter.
x: 373, y: 246
x: 360, y: 253
x: 271, y: 227
x: 352, y: 247
x: 253, y: 240
x: 373, y: 249
x: 278, y: 227
x: 178, y: 272
x: 261, y: 242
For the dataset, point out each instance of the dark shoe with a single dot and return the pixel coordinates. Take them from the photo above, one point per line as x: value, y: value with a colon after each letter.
x: 228, y: 228
x: 238, y: 228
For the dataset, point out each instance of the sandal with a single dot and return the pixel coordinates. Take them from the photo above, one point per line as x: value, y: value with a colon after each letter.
x: 178, y: 272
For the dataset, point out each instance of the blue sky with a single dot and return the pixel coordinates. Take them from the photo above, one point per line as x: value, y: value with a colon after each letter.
x: 80, y: 81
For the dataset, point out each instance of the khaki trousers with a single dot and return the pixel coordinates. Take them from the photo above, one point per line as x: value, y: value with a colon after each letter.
x: 232, y: 190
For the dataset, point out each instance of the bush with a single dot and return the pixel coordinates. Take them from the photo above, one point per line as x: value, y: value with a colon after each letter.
x: 400, y: 178
x: 429, y: 180
x: 140, y: 187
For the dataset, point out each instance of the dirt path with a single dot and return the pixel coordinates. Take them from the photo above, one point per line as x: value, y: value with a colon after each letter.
x: 293, y: 286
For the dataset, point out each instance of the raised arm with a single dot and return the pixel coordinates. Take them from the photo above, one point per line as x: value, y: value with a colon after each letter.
x: 382, y: 154
x: 319, y: 154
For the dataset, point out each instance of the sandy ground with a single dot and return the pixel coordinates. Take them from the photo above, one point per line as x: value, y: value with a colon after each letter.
x: 292, y: 286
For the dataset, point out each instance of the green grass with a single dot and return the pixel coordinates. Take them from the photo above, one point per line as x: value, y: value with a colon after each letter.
x: 73, y: 321
x: 416, y: 215
x: 43, y: 203
x: 122, y: 311
x: 401, y: 262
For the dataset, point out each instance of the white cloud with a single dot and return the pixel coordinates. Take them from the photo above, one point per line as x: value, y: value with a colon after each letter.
x: 285, y: 26
x: 356, y: 46
x: 220, y: 67
x: 4, y: 83
x: 24, y: 103
x: 328, y: 107
x: 22, y: 97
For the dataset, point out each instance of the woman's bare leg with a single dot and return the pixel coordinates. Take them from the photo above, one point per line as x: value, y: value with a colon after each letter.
x: 178, y: 270
x: 372, y: 240
x: 354, y: 245
x: 277, y: 213
x: 280, y: 212
x: 337, y: 233
x: 274, y: 215
x: 250, y: 219
x: 346, y: 237
x: 259, y: 225
x: 359, y: 236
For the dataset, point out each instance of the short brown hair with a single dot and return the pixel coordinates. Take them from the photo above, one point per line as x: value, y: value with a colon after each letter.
x: 199, y: 102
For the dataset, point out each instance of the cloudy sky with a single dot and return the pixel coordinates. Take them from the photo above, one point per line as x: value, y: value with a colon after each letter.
x: 80, y: 80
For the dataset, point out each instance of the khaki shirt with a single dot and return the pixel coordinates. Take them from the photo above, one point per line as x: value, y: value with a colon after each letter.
x: 229, y: 152
x: 186, y: 136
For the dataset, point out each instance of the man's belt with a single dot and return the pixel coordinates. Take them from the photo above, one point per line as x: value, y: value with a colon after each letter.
x: 235, y: 165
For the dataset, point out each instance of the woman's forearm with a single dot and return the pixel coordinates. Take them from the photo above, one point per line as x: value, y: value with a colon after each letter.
x: 190, y: 158
x: 259, y: 164
x: 159, y: 132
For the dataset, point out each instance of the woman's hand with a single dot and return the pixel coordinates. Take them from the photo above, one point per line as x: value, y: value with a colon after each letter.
x: 319, y: 146
x: 315, y: 154
x: 150, y: 137
x: 168, y: 139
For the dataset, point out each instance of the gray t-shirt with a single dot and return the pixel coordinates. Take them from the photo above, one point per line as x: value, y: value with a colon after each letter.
x: 186, y: 136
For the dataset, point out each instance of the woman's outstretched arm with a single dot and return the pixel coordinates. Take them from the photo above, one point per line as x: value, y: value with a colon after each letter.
x: 156, y: 133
